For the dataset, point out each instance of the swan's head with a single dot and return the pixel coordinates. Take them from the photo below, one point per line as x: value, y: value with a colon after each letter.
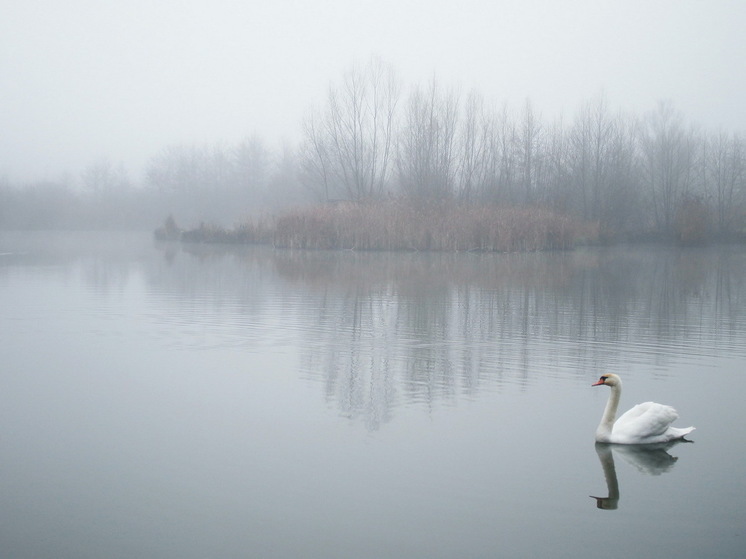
x: 609, y: 380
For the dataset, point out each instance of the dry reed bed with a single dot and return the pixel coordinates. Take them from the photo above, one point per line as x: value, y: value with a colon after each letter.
x: 396, y: 225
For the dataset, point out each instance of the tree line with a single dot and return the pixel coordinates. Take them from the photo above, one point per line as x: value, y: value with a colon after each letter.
x: 372, y: 140
x: 653, y: 174
x: 219, y: 184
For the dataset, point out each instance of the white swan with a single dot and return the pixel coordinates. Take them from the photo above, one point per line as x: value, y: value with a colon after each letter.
x: 644, y: 424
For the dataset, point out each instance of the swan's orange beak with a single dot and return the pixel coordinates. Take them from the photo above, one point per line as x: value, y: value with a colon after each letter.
x: 599, y: 383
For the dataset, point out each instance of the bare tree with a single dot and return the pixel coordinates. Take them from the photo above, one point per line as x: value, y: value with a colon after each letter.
x: 591, y: 138
x: 250, y: 164
x: 285, y: 187
x: 426, y: 154
x: 101, y: 179
x: 195, y: 183
x: 557, y: 191
x: 348, y: 147
x: 107, y: 195
x: 624, y: 210
x: 724, y: 176
x: 668, y: 150
x: 505, y: 148
x: 175, y: 170
x: 473, y: 139
x: 530, y: 153
x: 316, y: 160
x: 603, y: 127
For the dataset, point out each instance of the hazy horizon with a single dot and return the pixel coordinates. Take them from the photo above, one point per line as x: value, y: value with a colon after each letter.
x: 85, y: 81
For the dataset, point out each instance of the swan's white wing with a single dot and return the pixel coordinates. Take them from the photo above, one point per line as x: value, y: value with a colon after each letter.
x: 643, y: 422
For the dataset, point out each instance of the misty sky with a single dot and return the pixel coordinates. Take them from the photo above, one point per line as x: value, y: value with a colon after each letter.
x: 82, y: 80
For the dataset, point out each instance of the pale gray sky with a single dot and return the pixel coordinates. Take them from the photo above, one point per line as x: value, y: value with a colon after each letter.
x: 82, y: 80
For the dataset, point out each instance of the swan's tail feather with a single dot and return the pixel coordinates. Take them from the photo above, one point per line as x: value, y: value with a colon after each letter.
x: 682, y: 433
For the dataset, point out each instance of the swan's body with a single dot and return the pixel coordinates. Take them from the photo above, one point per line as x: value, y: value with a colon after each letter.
x: 646, y: 423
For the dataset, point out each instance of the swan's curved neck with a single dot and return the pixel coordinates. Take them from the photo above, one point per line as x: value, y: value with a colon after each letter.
x: 609, y: 416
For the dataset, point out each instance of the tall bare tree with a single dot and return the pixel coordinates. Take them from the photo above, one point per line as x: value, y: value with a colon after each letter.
x: 505, y: 148
x: 625, y: 201
x: 668, y: 149
x: 531, y: 133
x: 725, y: 175
x: 348, y: 146
x: 557, y: 192
x: 473, y: 141
x: 426, y: 154
x: 102, y: 179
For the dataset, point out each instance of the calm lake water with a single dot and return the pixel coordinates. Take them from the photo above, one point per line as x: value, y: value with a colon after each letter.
x: 175, y: 401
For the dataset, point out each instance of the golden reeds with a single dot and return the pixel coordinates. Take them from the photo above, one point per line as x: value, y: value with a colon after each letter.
x: 440, y: 226
x: 405, y: 225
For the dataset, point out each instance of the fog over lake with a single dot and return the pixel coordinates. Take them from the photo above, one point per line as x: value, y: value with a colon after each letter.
x: 121, y: 82
x: 176, y: 400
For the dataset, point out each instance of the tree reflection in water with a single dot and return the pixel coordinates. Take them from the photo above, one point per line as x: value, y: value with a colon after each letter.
x: 380, y: 330
x: 393, y: 327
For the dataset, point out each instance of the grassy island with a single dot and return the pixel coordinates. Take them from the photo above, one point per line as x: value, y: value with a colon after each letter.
x: 403, y: 225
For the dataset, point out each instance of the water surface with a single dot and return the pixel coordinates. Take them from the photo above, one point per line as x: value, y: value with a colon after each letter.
x: 160, y: 400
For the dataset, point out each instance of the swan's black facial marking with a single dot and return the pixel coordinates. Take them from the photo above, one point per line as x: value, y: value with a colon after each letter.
x: 603, y: 378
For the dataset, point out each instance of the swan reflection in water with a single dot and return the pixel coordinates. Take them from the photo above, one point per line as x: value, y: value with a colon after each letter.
x: 649, y: 459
